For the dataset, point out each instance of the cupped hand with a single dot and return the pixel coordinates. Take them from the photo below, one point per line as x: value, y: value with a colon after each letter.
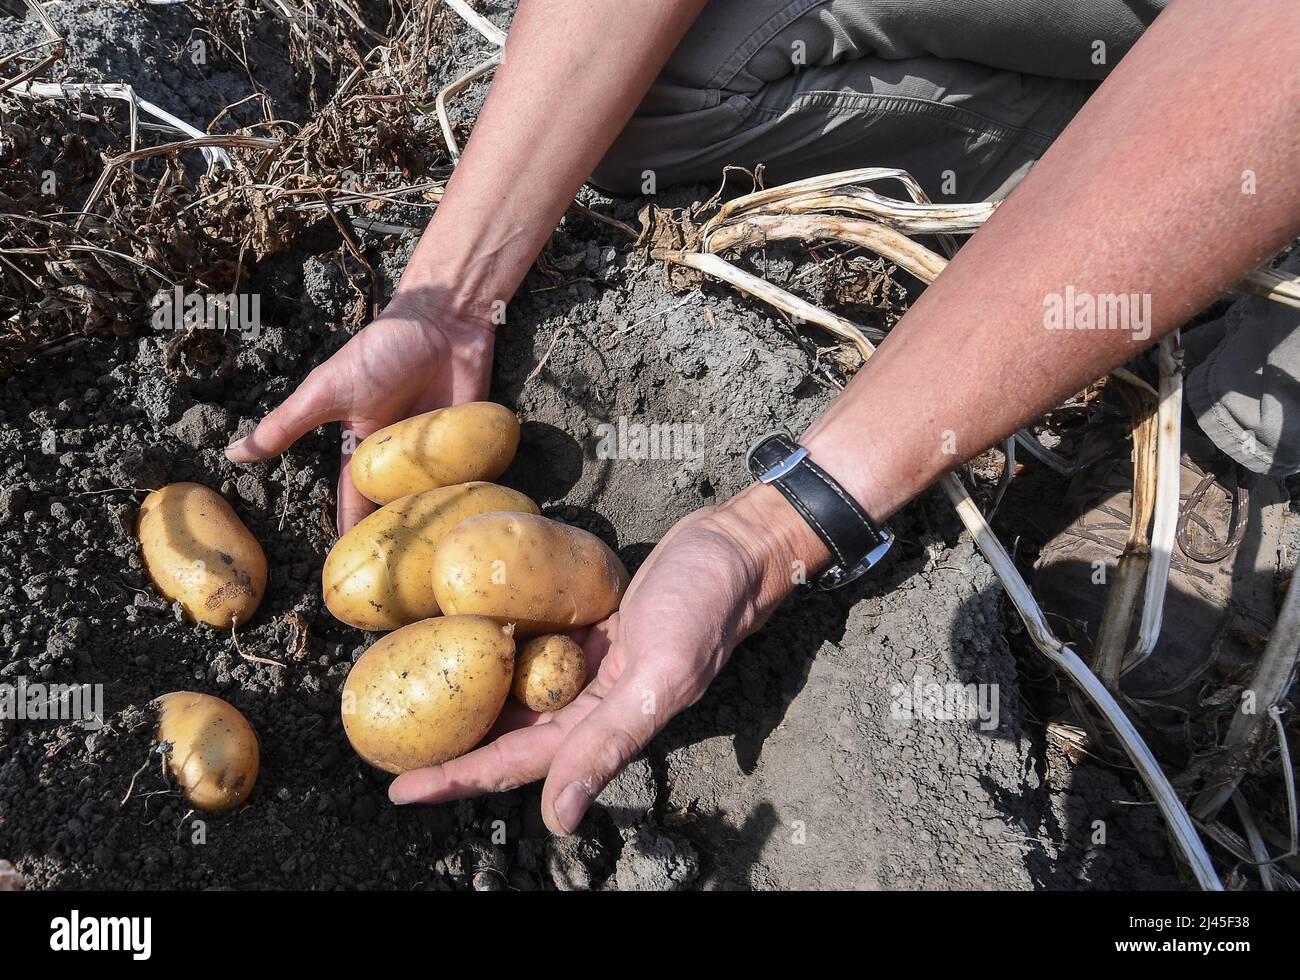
x: 407, y: 361
x: 711, y: 582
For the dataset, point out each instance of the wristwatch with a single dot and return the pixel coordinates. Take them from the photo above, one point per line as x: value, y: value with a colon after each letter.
x: 854, y: 540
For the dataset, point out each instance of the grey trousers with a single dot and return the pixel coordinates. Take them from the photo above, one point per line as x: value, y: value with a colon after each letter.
x: 965, y: 95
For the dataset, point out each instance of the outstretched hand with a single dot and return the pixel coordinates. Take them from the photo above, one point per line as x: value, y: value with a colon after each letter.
x: 706, y: 586
x: 405, y: 362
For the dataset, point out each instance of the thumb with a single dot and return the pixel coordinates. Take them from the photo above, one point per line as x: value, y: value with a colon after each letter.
x: 599, y: 748
x: 352, y: 504
x: 314, y: 403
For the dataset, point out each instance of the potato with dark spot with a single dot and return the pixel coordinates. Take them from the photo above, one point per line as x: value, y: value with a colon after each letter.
x: 428, y: 692
x: 213, y: 755
x: 460, y: 444
x: 379, y: 575
x: 541, y: 575
x: 199, y: 553
x: 550, y: 672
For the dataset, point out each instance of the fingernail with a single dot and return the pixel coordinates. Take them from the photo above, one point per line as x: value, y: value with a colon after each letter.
x: 571, y: 805
x: 233, y: 451
x: 395, y: 793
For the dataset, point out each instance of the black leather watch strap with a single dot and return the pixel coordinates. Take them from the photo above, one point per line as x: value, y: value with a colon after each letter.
x: 854, y: 540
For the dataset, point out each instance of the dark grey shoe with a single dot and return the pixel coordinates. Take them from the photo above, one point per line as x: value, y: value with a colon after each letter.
x: 1220, y: 603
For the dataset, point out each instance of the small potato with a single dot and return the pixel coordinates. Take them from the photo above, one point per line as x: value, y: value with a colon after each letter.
x: 543, y: 576
x: 428, y: 692
x: 460, y: 444
x: 214, y: 749
x: 199, y: 553
x: 549, y: 672
x: 378, y: 575
x: 11, y: 879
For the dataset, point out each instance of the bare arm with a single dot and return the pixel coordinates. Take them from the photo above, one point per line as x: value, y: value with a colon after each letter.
x: 1144, y: 193
x: 574, y: 72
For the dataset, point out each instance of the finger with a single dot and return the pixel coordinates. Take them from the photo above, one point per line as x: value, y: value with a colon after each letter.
x: 312, y: 404
x: 515, y: 716
x: 598, y: 749
x: 596, y: 641
x: 352, y: 505
x: 512, y: 760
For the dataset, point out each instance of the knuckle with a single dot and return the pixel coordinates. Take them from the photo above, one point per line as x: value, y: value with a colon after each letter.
x: 505, y: 771
x: 617, y: 748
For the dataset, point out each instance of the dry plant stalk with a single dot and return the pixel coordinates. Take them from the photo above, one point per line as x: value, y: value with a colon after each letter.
x: 64, y: 90
x: 1131, y: 570
x: 1273, y: 285
x: 1175, y: 814
x: 783, y: 300
x: 1261, y: 699
x: 54, y: 41
x: 1164, y: 526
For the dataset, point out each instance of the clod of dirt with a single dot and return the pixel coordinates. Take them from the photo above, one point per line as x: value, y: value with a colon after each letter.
x: 630, y: 796
x: 476, y: 857
x: 576, y: 863
x: 203, y: 426
x: 142, y: 469
x: 656, y: 861
x: 12, y: 502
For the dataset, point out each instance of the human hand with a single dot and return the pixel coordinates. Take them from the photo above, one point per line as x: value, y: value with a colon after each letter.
x: 407, y: 361
x: 712, y: 580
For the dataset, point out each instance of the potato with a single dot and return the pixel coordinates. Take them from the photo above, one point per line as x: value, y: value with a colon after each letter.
x: 378, y: 575
x: 428, y: 692
x: 474, y: 441
x: 543, y: 576
x: 11, y: 879
x: 199, y: 553
x: 550, y: 671
x: 214, y: 749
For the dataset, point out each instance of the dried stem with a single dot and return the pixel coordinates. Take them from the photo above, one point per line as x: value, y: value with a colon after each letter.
x: 1267, y: 688
x: 756, y: 229
x: 1275, y: 285
x: 1165, y: 521
x: 1134, y: 562
x: 800, y: 309
x: 54, y: 41
x: 455, y: 88
x: 125, y: 93
x: 1258, y: 851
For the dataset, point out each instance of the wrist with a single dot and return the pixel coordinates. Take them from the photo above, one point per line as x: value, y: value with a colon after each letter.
x: 786, y: 552
x: 850, y: 461
x: 466, y: 267
x: 432, y: 311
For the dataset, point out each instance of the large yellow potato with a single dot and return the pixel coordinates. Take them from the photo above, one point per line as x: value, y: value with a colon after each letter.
x: 214, y: 749
x: 549, y: 672
x: 199, y: 553
x: 543, y: 576
x: 378, y: 575
x: 474, y: 441
x: 428, y: 692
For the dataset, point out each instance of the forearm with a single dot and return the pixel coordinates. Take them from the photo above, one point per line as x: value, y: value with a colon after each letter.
x: 574, y: 72
x: 1145, y: 192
